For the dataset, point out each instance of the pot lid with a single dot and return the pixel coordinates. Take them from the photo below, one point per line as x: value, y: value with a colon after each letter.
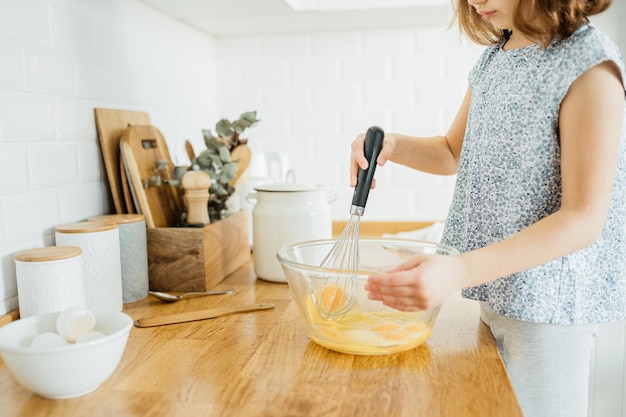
x: 289, y: 187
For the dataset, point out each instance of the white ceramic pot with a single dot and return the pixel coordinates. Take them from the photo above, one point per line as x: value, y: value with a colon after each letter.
x: 285, y: 214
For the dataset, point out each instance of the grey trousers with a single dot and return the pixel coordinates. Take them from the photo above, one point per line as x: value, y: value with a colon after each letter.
x: 548, y: 364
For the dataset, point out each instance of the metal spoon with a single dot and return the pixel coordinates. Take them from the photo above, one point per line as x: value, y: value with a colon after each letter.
x: 170, y: 298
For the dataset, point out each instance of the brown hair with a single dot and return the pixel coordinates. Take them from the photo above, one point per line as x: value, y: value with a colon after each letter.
x: 541, y: 21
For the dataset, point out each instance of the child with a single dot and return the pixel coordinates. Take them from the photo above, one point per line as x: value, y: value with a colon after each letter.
x: 539, y: 208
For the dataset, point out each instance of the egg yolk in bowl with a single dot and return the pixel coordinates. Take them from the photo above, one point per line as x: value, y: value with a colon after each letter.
x: 362, y: 332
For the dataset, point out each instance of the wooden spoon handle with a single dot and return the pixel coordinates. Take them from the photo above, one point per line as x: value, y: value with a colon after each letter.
x: 199, y: 315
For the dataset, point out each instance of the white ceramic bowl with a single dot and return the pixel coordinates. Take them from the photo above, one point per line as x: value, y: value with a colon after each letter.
x: 369, y: 327
x: 65, y: 371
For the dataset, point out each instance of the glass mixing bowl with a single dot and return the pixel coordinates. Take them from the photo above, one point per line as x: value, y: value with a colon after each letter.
x: 368, y: 327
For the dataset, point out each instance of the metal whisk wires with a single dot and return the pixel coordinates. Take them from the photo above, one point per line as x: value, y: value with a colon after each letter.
x: 338, y: 292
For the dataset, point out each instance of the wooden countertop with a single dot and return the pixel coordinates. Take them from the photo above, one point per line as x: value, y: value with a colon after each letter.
x: 263, y: 364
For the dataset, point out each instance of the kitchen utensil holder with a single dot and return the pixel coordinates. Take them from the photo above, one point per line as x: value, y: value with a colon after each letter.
x: 197, y: 258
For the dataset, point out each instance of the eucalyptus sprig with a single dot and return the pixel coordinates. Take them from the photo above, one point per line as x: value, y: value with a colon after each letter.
x: 215, y: 160
x: 229, y: 132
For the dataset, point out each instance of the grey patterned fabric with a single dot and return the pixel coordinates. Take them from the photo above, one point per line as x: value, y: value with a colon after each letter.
x: 509, y: 178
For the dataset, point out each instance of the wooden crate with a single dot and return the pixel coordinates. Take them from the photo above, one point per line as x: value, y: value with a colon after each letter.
x: 197, y: 259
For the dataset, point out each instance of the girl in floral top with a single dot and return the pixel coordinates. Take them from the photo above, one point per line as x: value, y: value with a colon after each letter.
x: 539, y: 208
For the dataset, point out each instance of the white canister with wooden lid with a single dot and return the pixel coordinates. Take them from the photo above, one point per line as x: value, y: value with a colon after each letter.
x: 133, y: 253
x: 100, y: 242
x: 49, y: 279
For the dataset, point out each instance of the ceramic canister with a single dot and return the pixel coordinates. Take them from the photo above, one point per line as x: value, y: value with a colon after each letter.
x: 284, y: 214
x: 133, y: 253
x: 100, y: 243
x: 49, y: 279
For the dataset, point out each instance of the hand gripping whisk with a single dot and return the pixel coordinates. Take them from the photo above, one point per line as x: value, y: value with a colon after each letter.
x: 336, y: 295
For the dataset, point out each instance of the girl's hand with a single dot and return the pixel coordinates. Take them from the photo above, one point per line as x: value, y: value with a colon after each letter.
x: 357, y: 157
x: 420, y: 283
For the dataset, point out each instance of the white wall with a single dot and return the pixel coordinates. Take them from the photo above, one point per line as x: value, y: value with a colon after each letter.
x: 60, y: 60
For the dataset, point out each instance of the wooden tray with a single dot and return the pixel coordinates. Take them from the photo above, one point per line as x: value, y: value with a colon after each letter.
x: 197, y: 259
x: 142, y: 147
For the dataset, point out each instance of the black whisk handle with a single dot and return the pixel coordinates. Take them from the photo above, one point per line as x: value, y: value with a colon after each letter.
x: 372, y: 146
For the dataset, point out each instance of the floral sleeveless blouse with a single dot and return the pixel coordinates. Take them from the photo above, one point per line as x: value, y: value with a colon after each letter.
x: 509, y: 178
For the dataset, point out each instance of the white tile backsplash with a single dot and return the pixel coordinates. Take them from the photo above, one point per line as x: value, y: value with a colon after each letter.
x: 355, y: 121
x: 422, y: 66
x: 74, y: 119
x: 52, y: 164
x: 25, y: 21
x: 87, y: 152
x: 342, y: 96
x: 95, y: 79
x: 428, y: 120
x: 26, y: 117
x: 309, y: 71
x: 11, y: 70
x: 390, y: 95
x: 29, y: 216
x: 273, y: 47
x: 14, y: 175
x: 286, y: 97
x: 93, y: 197
x: 390, y: 42
x: 365, y: 69
x: 265, y: 72
x: 72, y: 29
x: 50, y: 71
x: 335, y: 44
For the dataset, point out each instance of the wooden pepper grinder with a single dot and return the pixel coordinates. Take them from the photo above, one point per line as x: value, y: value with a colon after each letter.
x: 196, y: 185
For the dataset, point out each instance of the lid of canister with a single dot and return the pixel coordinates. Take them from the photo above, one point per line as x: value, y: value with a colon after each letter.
x: 118, y: 218
x: 48, y: 253
x: 86, y: 227
x: 289, y: 187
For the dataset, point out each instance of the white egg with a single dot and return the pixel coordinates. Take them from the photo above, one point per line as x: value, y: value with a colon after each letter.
x: 48, y: 340
x: 74, y: 322
x: 89, y: 336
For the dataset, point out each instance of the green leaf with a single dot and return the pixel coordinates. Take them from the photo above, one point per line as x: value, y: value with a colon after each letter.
x: 204, y: 159
x: 220, y: 191
x: 231, y: 168
x: 162, y: 164
x: 224, y: 154
x: 178, y: 173
x: 224, y: 129
x: 226, y: 176
x: 155, y: 180
x: 239, y: 126
x: 249, y: 117
x: 210, y: 173
x: 208, y: 137
x: 216, y: 161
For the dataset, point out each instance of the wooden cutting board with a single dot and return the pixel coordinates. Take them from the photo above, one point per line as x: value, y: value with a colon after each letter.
x: 141, y: 149
x: 111, y: 124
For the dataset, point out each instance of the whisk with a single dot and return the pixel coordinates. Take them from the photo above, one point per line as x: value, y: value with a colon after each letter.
x: 336, y: 295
